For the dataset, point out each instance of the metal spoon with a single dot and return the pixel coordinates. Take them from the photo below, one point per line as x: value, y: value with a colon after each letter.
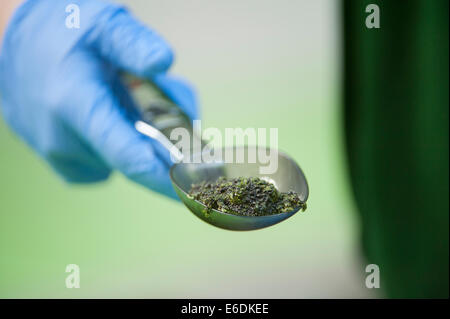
x: 159, y: 116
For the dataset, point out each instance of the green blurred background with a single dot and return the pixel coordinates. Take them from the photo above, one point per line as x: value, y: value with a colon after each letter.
x: 255, y: 64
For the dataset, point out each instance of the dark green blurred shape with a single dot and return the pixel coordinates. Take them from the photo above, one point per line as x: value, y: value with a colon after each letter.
x: 396, y: 117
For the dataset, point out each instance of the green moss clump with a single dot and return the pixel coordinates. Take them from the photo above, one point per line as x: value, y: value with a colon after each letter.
x: 244, y: 196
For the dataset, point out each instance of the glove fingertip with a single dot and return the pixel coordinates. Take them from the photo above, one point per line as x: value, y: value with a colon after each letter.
x: 80, y: 174
x: 159, y: 60
x: 181, y: 92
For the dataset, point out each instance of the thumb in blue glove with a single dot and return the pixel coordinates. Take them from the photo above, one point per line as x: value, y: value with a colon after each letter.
x: 61, y: 90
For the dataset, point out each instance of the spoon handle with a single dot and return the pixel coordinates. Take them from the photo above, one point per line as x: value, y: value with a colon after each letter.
x: 158, y: 114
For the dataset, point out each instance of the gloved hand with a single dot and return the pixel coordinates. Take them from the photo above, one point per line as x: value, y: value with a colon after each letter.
x: 61, y: 91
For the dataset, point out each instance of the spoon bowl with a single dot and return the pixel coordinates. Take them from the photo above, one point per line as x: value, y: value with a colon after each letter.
x: 288, y: 177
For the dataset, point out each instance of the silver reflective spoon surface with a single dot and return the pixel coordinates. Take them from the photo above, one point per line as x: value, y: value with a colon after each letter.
x: 288, y: 176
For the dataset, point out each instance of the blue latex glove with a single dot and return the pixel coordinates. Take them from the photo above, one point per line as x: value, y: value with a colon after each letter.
x: 61, y: 91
